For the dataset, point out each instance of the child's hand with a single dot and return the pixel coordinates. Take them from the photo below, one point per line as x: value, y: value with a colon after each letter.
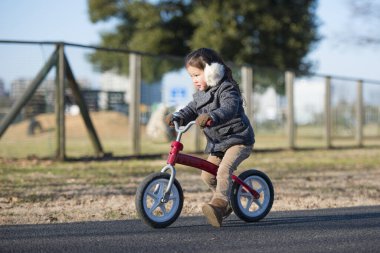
x: 170, y: 118
x: 204, y: 120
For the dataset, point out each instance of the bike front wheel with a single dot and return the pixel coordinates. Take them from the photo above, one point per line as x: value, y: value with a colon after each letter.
x: 245, y: 206
x: 149, y: 205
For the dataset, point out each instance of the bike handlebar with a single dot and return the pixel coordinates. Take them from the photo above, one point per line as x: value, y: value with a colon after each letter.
x: 183, y: 129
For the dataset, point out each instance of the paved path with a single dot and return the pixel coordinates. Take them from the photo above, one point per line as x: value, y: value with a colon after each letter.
x: 328, y: 230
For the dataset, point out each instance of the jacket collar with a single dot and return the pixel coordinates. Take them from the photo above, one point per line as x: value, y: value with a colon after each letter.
x: 203, y: 97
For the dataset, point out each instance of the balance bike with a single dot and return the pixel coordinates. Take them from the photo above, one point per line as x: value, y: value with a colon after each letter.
x: 159, y: 197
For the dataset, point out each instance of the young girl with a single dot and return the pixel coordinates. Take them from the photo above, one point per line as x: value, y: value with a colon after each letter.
x: 217, y: 107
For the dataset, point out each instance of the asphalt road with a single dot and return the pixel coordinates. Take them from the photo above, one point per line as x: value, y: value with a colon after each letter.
x: 328, y: 230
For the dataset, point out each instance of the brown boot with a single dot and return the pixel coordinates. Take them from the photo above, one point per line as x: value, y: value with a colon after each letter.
x: 215, y: 211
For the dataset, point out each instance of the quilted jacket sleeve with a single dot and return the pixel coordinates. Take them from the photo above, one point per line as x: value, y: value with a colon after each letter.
x: 229, y: 104
x: 188, y: 113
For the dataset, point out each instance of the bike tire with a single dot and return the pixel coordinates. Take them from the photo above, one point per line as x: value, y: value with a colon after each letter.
x: 243, y: 202
x: 148, y: 195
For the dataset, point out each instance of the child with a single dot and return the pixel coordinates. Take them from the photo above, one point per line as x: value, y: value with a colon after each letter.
x: 229, y: 134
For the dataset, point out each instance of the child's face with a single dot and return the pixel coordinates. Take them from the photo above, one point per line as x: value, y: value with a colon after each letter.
x: 198, y: 78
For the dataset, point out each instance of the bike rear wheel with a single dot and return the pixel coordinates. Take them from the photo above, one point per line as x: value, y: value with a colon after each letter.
x: 245, y: 206
x: 149, y: 206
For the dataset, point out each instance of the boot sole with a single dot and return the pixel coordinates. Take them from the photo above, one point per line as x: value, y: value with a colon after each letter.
x: 212, y: 219
x: 229, y: 212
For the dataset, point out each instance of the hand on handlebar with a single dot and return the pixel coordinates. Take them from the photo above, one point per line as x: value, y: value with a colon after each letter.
x: 170, y: 118
x: 204, y: 120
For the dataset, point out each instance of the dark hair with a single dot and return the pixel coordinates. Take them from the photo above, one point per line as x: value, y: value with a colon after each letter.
x: 201, y: 56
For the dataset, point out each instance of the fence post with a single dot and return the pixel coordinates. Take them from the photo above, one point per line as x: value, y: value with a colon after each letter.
x: 247, y: 84
x: 328, y: 111
x: 60, y: 105
x: 134, y: 106
x: 289, y: 83
x: 359, y: 113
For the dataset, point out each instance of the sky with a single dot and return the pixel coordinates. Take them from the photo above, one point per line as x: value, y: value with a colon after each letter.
x: 52, y: 20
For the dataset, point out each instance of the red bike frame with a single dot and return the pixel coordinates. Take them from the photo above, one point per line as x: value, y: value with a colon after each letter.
x: 176, y: 157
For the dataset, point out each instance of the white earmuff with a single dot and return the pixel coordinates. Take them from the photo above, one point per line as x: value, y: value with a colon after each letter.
x: 213, y: 73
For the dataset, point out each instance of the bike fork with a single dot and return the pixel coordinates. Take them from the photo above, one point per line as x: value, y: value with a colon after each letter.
x: 170, y: 167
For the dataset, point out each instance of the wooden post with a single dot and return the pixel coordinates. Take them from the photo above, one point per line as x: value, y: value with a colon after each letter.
x: 289, y: 83
x: 359, y: 113
x: 247, y: 84
x: 328, y: 111
x: 79, y: 99
x: 19, y: 104
x: 60, y: 106
x: 134, y: 106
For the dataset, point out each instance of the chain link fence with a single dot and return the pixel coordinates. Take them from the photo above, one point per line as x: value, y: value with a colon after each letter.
x: 108, y: 98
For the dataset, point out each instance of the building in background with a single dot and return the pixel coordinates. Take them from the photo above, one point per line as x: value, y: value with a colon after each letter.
x: 177, y: 89
x: 267, y: 106
x: 113, y: 84
x: 110, y: 81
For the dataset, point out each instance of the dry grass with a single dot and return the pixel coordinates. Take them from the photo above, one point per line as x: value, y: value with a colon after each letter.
x: 36, y: 191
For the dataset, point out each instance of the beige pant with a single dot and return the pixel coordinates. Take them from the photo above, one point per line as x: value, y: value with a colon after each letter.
x: 222, y: 183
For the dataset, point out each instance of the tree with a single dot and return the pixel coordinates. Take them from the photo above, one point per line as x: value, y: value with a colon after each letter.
x: 275, y: 33
x: 366, y: 19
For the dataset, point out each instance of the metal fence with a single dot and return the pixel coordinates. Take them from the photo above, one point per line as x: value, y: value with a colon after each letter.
x: 126, y: 110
